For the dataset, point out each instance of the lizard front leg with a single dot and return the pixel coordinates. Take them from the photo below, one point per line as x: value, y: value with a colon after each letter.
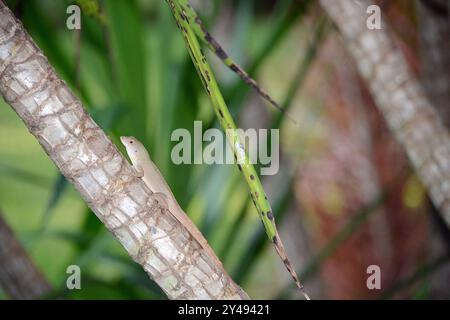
x: 138, y: 171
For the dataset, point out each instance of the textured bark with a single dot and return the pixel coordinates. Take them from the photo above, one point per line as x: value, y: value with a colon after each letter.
x: 19, y: 277
x: 434, y: 29
x: 434, y: 32
x: 104, y: 178
x: 399, y: 96
x: 355, y: 163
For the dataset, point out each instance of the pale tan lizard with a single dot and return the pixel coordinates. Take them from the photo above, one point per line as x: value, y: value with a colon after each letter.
x: 154, y: 180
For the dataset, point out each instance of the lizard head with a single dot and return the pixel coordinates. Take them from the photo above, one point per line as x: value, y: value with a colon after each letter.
x: 131, y: 144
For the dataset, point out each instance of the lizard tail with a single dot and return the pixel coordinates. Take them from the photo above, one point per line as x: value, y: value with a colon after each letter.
x: 279, y: 247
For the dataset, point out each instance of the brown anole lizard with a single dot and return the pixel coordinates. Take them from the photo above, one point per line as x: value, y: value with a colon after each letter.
x: 154, y: 180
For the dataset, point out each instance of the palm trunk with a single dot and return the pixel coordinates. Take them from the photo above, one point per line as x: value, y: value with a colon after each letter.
x: 399, y: 96
x: 435, y: 51
x: 91, y: 162
x: 19, y: 276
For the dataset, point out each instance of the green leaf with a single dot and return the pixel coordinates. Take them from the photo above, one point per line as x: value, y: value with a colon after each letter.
x: 129, y: 60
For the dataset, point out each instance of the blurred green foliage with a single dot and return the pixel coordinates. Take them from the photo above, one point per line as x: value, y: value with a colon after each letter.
x: 135, y: 78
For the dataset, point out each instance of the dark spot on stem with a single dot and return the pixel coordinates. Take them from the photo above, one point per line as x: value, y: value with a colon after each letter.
x: 221, y: 53
x: 234, y: 68
x: 207, y: 35
x: 184, y: 13
x: 270, y: 215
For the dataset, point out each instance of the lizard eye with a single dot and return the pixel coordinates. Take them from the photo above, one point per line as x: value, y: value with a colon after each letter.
x: 131, y: 141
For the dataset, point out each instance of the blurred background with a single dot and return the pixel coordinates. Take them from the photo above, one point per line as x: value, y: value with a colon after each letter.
x: 345, y: 197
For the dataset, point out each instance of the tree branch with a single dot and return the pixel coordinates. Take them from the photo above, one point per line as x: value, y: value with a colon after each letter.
x: 399, y: 96
x: 91, y: 162
x: 434, y: 34
x: 19, y: 277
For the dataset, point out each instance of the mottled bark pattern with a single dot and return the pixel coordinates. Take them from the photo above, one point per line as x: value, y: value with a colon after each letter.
x: 434, y: 28
x: 103, y: 177
x: 19, y: 277
x: 399, y: 96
